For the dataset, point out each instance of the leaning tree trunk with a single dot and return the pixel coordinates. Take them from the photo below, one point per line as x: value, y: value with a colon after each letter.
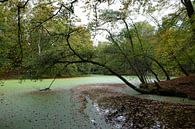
x: 106, y: 67
x: 142, y: 48
x: 158, y: 63
x: 133, y: 66
x: 140, y: 73
x: 179, y: 65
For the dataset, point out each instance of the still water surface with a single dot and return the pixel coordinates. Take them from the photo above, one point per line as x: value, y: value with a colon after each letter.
x: 22, y: 107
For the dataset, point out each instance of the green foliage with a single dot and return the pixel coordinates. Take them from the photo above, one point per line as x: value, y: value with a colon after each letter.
x: 43, y: 41
x: 46, y: 53
x: 173, y: 41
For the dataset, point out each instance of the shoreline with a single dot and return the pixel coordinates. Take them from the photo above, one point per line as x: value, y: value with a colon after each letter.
x: 119, y: 109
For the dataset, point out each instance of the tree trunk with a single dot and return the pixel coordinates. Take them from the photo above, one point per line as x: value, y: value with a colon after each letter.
x: 121, y: 77
x: 191, y: 14
x: 163, y: 69
x: 180, y: 66
x: 106, y: 67
x: 189, y: 7
x: 19, y: 35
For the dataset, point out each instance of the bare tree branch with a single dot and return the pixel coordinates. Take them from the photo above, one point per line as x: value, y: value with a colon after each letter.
x: 189, y: 7
x: 70, y: 9
x: 3, y: 1
x: 19, y: 7
x: 104, y: 66
x: 41, y: 23
x: 24, y: 5
x: 56, y: 75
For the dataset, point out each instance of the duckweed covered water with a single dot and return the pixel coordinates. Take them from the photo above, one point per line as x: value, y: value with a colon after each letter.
x: 22, y: 106
x: 40, y: 111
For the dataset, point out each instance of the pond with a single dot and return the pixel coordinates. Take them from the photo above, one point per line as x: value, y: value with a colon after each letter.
x: 22, y: 106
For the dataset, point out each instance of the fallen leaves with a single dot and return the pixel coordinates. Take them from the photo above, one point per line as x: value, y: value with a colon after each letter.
x: 124, y: 111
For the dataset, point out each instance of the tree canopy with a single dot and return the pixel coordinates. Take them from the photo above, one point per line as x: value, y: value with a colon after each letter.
x: 144, y: 38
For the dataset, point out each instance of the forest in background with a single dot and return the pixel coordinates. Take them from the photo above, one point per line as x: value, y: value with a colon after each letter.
x: 153, y: 40
x: 41, y: 39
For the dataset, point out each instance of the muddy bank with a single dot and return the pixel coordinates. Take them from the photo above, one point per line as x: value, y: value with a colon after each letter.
x: 124, y: 111
x: 182, y: 86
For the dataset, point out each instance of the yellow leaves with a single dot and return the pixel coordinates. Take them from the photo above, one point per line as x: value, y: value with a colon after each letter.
x: 81, y: 39
x: 43, y: 12
x: 166, y: 43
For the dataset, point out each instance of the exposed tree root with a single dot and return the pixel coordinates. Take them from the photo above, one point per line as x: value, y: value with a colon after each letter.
x: 45, y: 89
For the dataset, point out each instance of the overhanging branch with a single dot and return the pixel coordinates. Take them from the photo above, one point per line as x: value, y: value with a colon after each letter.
x: 104, y: 66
